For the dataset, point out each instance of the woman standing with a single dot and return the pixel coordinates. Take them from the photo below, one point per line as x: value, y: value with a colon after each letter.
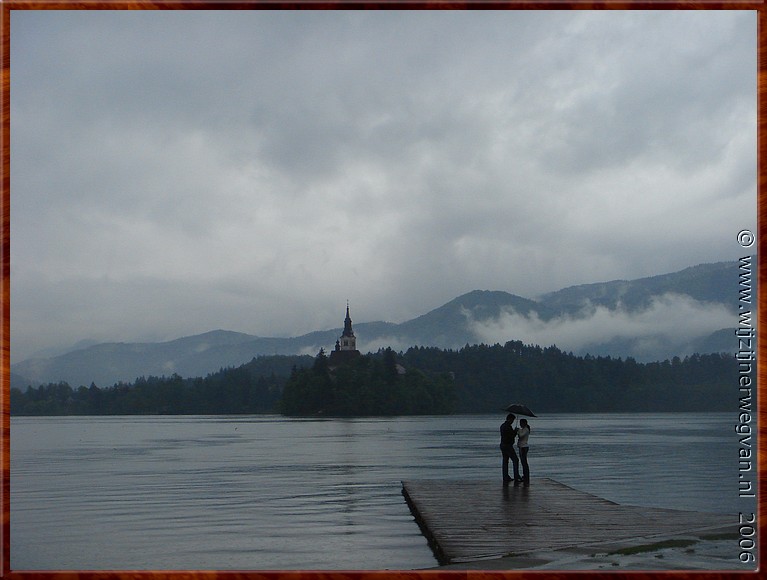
x: 523, y: 432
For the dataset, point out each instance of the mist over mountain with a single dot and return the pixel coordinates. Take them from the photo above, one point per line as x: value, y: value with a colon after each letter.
x: 655, y: 318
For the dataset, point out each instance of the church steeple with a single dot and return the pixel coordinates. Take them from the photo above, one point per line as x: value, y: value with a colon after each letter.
x: 346, y: 345
x: 348, y: 323
x: 347, y: 341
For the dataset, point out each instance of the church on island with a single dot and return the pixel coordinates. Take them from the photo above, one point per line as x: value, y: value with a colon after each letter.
x: 346, y: 345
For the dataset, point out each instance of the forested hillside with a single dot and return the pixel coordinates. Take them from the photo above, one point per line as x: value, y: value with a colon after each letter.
x: 484, y: 379
x: 549, y: 380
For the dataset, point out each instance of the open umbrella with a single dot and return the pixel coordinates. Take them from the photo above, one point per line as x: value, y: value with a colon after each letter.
x: 518, y: 409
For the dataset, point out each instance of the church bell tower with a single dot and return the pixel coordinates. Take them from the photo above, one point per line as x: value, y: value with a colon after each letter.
x: 346, y: 345
x: 347, y: 341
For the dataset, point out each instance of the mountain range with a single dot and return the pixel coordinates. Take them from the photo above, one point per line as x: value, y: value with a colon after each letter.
x: 654, y: 318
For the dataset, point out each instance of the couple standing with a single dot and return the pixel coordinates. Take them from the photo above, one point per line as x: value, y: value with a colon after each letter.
x: 508, y: 434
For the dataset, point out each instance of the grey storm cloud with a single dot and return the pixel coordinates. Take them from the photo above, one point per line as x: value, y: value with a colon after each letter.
x: 174, y: 172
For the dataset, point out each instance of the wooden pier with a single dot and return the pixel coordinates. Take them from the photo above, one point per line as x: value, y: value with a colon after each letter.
x: 471, y: 521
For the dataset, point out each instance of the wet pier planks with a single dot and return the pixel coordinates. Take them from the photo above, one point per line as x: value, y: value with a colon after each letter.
x: 473, y: 520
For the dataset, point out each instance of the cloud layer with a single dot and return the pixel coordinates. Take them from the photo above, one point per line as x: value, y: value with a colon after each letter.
x: 670, y: 320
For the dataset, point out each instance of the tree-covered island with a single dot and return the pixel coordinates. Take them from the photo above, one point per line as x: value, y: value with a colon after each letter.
x: 367, y: 385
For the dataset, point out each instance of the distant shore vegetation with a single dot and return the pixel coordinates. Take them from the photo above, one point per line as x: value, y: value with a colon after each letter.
x: 421, y: 380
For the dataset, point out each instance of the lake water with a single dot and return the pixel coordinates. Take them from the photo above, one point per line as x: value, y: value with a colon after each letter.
x: 271, y: 493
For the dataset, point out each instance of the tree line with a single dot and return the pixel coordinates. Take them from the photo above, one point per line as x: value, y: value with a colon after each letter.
x: 255, y: 387
x: 422, y: 380
x: 550, y: 380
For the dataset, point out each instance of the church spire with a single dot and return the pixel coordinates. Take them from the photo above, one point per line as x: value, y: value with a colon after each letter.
x: 348, y: 323
x: 347, y: 341
x: 346, y: 345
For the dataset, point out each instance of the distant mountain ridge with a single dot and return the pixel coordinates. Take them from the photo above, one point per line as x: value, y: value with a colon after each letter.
x: 452, y: 325
x: 715, y: 283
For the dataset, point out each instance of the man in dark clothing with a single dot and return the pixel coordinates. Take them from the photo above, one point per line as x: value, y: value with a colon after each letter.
x: 508, y: 432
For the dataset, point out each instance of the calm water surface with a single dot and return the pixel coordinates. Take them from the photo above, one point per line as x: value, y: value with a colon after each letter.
x: 269, y: 493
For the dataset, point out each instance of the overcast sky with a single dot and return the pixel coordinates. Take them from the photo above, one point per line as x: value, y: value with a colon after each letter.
x: 179, y: 172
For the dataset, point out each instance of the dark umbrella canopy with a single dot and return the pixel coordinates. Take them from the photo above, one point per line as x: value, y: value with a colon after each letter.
x: 518, y: 409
